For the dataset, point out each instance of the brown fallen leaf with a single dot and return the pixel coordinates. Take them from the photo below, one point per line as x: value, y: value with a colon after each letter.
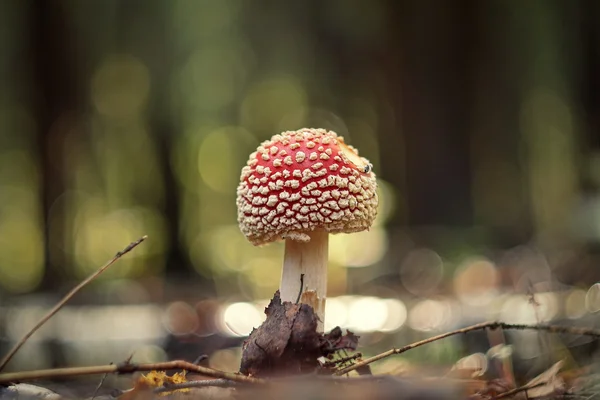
x: 28, y: 391
x: 288, y: 341
x: 141, y: 391
x: 549, y: 381
x: 335, y: 340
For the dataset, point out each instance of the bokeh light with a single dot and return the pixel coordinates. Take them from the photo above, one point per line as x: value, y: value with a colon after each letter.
x: 575, y: 304
x: 476, y: 282
x: 238, y: 319
x: 213, y: 77
x: 421, y: 271
x: 523, y: 309
x: 336, y: 312
x: 120, y: 87
x: 367, y: 314
x: 140, y: 122
x: 592, y: 298
x: 149, y: 353
x: 181, y: 318
x: 360, y: 249
x: 432, y: 315
x: 21, y: 249
x: 98, y: 234
x: 21, y: 235
x: 396, y: 315
x: 267, y: 100
x: 225, y: 360
x: 219, y: 155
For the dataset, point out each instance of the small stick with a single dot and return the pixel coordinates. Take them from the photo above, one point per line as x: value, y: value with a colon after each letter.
x: 520, y: 389
x: 196, y: 384
x: 476, y: 327
x: 301, y: 288
x: 99, y: 385
x: 124, y: 368
x: 342, y: 360
x: 68, y: 297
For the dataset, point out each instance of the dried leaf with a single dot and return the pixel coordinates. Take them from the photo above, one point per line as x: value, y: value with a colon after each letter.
x: 550, y: 382
x: 25, y: 391
x: 142, y: 390
x: 464, y: 373
x: 288, y: 341
x: 334, y: 341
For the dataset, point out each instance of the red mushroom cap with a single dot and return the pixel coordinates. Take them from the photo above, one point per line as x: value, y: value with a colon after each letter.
x: 299, y: 181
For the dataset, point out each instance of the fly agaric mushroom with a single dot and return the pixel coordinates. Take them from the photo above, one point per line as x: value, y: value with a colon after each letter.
x: 300, y: 186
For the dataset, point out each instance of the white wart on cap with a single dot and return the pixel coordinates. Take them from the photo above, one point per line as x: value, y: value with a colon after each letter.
x: 301, y: 181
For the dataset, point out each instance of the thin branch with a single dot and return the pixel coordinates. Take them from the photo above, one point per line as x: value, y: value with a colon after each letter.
x: 124, y: 368
x: 226, y: 383
x: 196, y: 384
x: 301, y: 288
x: 99, y: 385
x: 476, y: 327
x: 520, y: 389
x: 341, y: 360
x: 68, y: 297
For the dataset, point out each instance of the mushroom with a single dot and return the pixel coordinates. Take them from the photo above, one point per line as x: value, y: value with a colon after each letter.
x: 300, y: 186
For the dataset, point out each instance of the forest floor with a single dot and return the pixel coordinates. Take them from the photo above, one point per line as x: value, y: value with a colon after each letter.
x: 287, y: 357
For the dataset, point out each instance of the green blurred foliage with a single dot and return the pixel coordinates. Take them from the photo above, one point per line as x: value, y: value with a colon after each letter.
x: 119, y: 119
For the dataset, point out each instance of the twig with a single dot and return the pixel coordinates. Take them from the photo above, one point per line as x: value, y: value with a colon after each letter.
x: 102, y: 382
x: 301, y: 288
x: 341, y: 360
x: 124, y: 368
x: 196, y: 384
x: 65, y: 299
x: 476, y: 327
x: 99, y: 385
x: 520, y: 389
x: 295, y: 379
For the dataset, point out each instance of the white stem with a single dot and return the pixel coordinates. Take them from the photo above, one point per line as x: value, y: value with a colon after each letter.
x: 310, y: 259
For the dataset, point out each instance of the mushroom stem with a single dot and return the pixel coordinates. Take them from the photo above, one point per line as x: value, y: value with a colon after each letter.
x: 308, y: 258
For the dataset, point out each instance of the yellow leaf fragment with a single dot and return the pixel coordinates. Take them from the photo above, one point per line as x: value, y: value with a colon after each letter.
x: 159, y: 379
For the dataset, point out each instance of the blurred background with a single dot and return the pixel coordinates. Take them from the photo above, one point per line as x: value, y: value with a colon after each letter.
x: 125, y: 118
